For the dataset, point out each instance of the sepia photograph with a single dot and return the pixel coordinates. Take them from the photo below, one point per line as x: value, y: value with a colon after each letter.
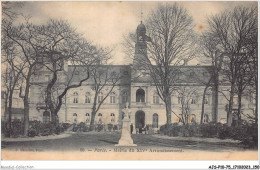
x: 129, y: 80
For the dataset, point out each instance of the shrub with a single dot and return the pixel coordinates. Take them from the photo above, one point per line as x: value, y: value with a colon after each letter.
x: 209, y: 130
x: 81, y: 126
x: 100, y: 127
x: 86, y: 129
x: 66, y: 126
x: 75, y: 128
x: 32, y: 132
x: 17, y: 128
x: 110, y: 127
x: 115, y: 127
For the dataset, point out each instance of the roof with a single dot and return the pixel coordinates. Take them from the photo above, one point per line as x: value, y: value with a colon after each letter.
x: 182, y: 74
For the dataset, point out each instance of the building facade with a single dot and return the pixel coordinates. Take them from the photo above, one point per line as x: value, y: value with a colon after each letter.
x: 136, y: 87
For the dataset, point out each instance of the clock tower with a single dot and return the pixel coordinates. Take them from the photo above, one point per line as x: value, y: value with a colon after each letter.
x: 141, y: 45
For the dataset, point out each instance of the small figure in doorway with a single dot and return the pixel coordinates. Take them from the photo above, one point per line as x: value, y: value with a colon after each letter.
x: 131, y: 128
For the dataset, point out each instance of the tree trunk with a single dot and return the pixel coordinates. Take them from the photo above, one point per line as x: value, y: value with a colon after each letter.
x: 215, y: 101
x: 9, y: 109
x: 230, y: 108
x: 6, y: 105
x: 92, y: 121
x: 26, y: 101
x: 93, y: 113
x: 239, y: 105
x: 203, y: 104
x: 49, y: 101
x: 256, y: 101
x: 168, y: 109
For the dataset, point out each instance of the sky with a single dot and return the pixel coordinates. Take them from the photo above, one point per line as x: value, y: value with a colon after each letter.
x: 105, y: 23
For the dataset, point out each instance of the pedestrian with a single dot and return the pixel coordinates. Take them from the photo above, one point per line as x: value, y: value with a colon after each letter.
x: 131, y: 128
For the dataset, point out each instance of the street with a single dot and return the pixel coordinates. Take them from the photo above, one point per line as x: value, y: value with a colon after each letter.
x: 79, y: 141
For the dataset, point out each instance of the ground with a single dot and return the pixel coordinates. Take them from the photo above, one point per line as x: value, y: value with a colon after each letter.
x: 93, y: 140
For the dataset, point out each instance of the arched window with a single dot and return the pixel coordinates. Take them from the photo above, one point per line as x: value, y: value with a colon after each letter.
x: 100, y: 118
x: 75, y: 97
x: 100, y: 97
x: 87, y: 117
x: 192, y: 118
x: 124, y: 97
x: 46, y: 117
x: 113, y: 97
x: 155, y: 120
x: 88, y: 98
x: 205, y: 118
x: 112, y: 115
x: 155, y: 98
x: 75, y: 117
x: 140, y: 95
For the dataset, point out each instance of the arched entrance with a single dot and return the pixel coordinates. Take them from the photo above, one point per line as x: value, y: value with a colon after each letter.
x: 139, y: 119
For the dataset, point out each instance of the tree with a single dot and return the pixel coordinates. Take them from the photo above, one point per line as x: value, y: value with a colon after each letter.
x: 104, y: 80
x: 212, y: 52
x: 170, y: 43
x: 186, y: 95
x: 231, y: 30
x: 11, y: 61
x: 11, y: 76
x: 59, y: 45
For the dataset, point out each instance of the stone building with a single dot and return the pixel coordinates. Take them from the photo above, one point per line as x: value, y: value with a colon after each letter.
x: 135, y: 87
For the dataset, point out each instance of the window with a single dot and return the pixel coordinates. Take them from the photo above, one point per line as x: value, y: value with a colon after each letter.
x: 100, y: 97
x: 252, y: 98
x: 155, y: 120
x: 46, y: 117
x: 47, y: 77
x: 192, y: 118
x: 235, y: 100
x: 100, y: 118
x: 112, y: 98
x: 205, y: 118
x: 87, y: 117
x: 179, y: 99
x: 112, y: 115
x: 206, y: 100
x: 125, y: 97
x: 140, y: 95
x: 88, y: 98
x: 155, y: 98
x: 75, y: 97
x: 193, y: 100
x: 75, y: 117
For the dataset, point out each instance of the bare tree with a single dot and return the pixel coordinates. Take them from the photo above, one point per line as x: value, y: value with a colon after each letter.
x: 12, y: 76
x: 231, y: 30
x: 170, y: 43
x: 104, y: 80
x: 186, y: 95
x: 214, y: 57
x: 11, y: 61
x: 59, y: 45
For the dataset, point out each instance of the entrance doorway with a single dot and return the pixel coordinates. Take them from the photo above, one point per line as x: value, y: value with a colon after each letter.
x: 139, y: 119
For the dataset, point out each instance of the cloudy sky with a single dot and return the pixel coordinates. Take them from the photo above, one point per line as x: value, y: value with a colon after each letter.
x: 105, y: 23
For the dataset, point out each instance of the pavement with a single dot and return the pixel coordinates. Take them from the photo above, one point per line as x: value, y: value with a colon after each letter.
x: 36, y: 138
x: 75, y: 141
x: 198, y: 139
